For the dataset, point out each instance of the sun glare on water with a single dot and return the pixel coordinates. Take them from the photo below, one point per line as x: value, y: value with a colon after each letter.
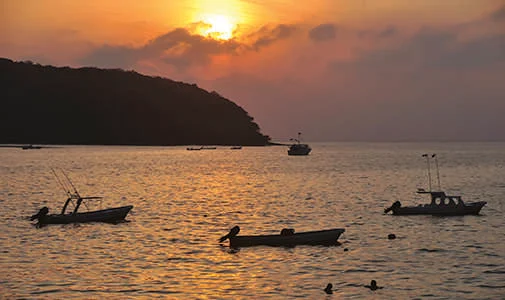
x: 218, y: 27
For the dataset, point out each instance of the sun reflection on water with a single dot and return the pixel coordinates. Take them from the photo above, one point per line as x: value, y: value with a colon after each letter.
x: 185, y: 200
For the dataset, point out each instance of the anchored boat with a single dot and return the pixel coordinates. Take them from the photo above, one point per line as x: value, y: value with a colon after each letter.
x: 297, y: 148
x: 441, y: 204
x: 287, y: 238
x: 110, y: 215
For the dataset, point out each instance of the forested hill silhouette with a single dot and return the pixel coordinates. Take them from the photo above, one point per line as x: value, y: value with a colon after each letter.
x: 91, y: 106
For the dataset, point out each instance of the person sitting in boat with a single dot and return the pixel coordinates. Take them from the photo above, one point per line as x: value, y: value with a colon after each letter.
x: 451, y: 202
x: 287, y: 231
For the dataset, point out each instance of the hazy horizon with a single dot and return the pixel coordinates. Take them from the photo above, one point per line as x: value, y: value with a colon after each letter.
x: 352, y: 71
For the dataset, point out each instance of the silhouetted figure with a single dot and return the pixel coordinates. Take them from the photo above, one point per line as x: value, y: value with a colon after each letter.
x: 287, y: 231
x: 373, y: 286
x: 233, y: 232
x: 328, y: 289
x: 391, y: 236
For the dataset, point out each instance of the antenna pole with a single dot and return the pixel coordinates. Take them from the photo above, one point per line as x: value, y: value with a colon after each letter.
x: 438, y: 173
x: 429, y: 172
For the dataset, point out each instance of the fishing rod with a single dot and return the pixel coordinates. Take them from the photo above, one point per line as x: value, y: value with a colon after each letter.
x: 63, y: 186
x: 71, y: 184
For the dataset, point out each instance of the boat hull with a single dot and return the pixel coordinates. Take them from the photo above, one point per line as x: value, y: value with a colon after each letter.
x: 472, y: 208
x: 298, y: 152
x: 299, y: 149
x: 323, y: 237
x: 111, y: 215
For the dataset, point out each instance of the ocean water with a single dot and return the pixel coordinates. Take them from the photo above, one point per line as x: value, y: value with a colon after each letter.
x: 185, y: 200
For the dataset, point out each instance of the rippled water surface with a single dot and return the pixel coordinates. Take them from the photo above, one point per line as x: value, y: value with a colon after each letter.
x: 185, y: 200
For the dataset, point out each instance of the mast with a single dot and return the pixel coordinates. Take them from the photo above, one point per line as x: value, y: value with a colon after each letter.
x: 429, y: 172
x: 434, y: 155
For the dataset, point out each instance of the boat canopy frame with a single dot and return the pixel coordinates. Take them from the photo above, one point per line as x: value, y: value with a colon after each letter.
x: 452, y: 200
x: 79, y: 201
x: 67, y: 185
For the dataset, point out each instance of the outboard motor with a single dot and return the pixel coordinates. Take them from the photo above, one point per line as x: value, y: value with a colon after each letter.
x: 395, y: 205
x: 233, y: 232
x: 42, y: 213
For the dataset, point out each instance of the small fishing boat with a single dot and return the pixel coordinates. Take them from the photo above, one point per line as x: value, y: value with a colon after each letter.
x: 297, y: 148
x: 287, y: 238
x: 441, y: 204
x: 110, y: 215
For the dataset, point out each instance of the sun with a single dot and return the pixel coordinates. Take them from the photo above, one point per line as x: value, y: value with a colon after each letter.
x: 218, y: 27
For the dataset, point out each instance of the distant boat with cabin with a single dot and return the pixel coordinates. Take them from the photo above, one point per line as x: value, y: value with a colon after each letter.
x: 299, y: 148
x: 441, y: 204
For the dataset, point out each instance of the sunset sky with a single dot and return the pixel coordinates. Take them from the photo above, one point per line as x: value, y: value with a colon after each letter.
x: 336, y: 70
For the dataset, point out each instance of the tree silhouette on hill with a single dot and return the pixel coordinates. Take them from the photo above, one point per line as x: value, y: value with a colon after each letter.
x: 91, y: 106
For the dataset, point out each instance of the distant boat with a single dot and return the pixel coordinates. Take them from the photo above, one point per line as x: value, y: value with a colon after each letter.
x: 110, y: 215
x: 297, y: 148
x: 287, y: 238
x: 193, y: 148
x: 236, y: 147
x: 441, y: 204
x: 209, y: 147
x: 30, y: 147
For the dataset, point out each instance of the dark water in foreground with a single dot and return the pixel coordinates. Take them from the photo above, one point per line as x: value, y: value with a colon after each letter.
x: 185, y: 200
